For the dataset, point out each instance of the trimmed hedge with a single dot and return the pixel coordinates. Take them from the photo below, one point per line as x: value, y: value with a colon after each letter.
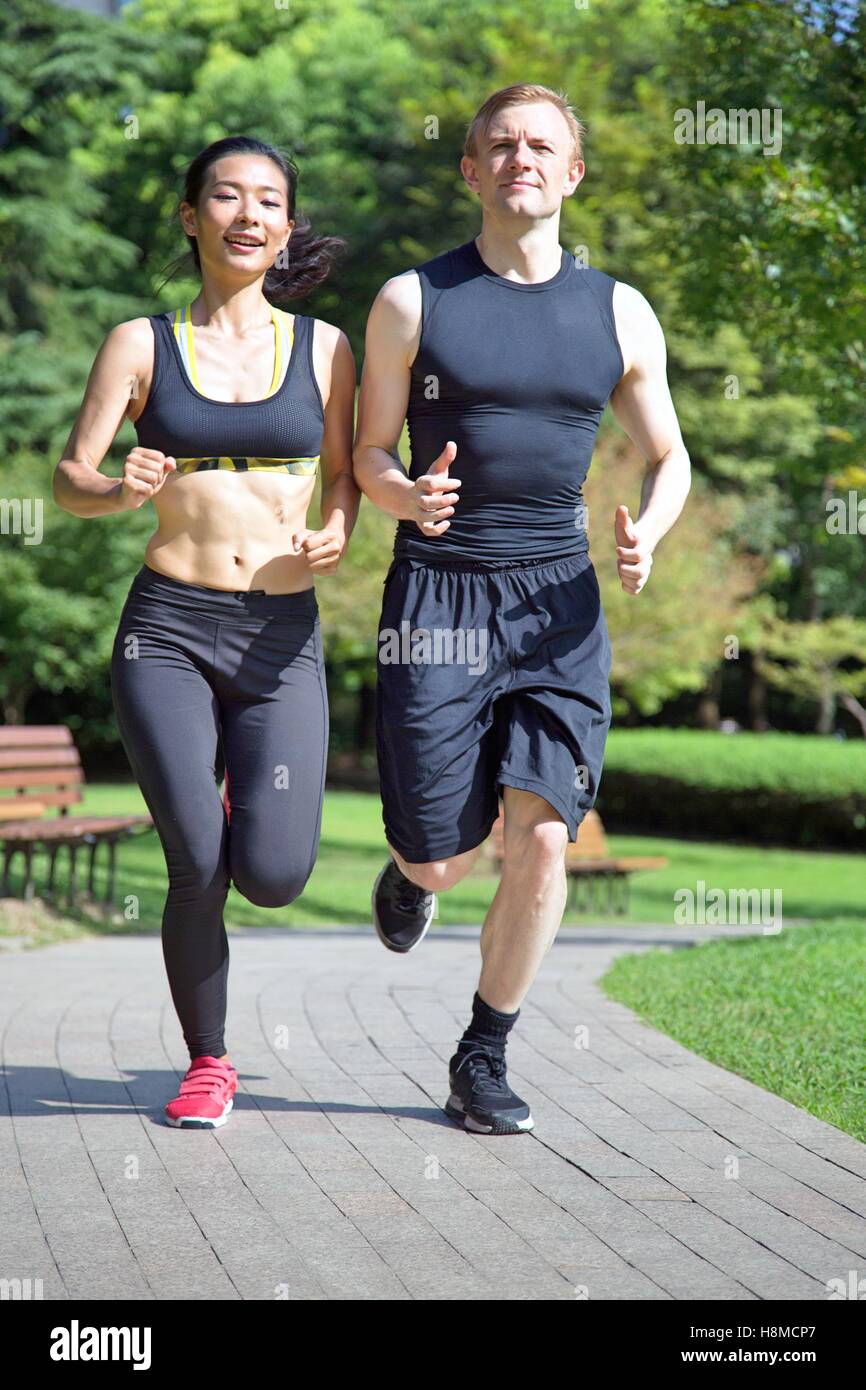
x: 773, y: 789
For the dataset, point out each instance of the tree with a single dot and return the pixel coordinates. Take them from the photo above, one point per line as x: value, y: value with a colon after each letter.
x: 772, y: 238
x: 672, y: 636
x: 822, y: 661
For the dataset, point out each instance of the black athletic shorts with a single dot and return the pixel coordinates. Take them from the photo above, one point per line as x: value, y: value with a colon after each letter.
x: 489, y: 675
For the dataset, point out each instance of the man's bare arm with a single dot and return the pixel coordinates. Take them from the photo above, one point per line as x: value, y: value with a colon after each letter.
x: 393, y: 329
x: 642, y: 404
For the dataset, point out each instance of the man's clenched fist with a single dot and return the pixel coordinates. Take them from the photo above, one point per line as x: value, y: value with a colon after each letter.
x: 633, y: 555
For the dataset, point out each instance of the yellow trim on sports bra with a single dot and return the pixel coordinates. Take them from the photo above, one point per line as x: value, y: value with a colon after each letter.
x: 186, y: 343
x: 304, y: 467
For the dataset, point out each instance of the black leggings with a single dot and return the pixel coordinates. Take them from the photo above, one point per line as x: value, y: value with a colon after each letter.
x: 199, y: 677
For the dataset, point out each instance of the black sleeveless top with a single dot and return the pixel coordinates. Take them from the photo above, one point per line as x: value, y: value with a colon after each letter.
x: 518, y: 376
x: 281, y: 432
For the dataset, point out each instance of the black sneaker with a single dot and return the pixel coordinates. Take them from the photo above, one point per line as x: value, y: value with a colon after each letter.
x: 481, y: 1098
x: 402, y: 911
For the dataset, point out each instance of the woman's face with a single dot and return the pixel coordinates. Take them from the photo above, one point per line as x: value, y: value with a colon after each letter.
x: 242, y: 219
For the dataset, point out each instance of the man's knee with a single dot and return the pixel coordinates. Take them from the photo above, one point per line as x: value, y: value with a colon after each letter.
x: 535, y: 834
x: 438, y: 875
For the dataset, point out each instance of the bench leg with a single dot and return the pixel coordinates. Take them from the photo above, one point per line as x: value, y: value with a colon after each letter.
x: 49, y: 890
x: 8, y: 852
x: 110, y: 871
x: 28, y: 873
x: 91, y: 869
x: 112, y: 866
x: 73, y: 879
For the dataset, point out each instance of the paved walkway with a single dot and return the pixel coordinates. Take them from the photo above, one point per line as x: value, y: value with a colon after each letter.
x: 651, y: 1174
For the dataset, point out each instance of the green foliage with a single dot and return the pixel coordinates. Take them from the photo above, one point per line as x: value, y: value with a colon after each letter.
x: 680, y: 645
x: 60, y: 597
x: 807, y: 658
x: 802, y: 764
x: 767, y: 789
x: 353, y: 850
x: 774, y: 241
x: 372, y: 99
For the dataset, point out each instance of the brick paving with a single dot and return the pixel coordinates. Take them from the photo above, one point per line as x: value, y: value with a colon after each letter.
x: 651, y: 1173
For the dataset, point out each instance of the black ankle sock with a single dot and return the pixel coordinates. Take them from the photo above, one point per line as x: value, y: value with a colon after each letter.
x: 489, y: 1027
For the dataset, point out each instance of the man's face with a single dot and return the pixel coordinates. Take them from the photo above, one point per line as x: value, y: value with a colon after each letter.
x: 524, y: 165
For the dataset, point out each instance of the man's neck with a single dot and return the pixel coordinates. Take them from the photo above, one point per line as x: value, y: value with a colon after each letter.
x: 528, y: 257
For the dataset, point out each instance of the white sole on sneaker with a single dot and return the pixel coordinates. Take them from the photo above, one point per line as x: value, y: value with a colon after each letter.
x: 200, y: 1122
x: 398, y: 950
x: 455, y: 1110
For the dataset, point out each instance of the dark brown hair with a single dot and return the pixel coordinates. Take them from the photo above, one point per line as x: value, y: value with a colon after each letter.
x: 310, y: 257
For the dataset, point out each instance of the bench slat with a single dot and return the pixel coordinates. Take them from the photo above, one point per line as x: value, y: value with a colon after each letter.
x: 25, y: 735
x: 70, y: 798
x: 613, y: 866
x: 25, y: 758
x: 19, y: 808
x: 69, y: 827
x: 44, y: 777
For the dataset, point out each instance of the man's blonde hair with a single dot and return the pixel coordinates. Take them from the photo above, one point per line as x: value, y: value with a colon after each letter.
x: 517, y: 95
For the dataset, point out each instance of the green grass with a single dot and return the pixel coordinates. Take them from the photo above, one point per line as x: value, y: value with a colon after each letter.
x: 785, y: 1011
x: 814, y: 885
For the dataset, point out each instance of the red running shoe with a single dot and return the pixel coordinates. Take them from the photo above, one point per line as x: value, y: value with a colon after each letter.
x: 206, y: 1095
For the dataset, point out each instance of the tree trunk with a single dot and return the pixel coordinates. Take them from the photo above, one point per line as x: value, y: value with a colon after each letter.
x: 708, y: 701
x: 827, y: 707
x: 813, y: 601
x: 854, y: 707
x: 757, y: 698
x: 15, y: 704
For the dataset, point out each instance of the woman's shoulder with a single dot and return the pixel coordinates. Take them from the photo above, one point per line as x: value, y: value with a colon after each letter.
x: 131, y: 340
x: 326, y: 335
x: 133, y: 330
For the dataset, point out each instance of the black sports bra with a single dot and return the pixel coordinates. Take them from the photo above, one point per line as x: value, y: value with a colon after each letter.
x: 282, y: 431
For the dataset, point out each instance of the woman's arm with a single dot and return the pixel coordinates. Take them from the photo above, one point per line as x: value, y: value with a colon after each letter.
x: 340, y: 496
x: 122, y: 363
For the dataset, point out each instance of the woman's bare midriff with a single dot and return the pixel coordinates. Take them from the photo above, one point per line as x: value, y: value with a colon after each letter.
x: 232, y: 531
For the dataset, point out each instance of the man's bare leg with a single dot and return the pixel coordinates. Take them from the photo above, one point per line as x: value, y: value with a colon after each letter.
x: 439, y: 874
x: 526, y: 913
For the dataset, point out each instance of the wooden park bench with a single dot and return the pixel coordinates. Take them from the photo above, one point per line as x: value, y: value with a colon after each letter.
x: 590, y: 866
x: 40, y: 768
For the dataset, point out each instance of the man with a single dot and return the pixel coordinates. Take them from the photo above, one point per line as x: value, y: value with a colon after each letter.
x: 494, y: 654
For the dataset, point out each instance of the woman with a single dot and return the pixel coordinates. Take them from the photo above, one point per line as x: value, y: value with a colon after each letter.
x: 218, y: 651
